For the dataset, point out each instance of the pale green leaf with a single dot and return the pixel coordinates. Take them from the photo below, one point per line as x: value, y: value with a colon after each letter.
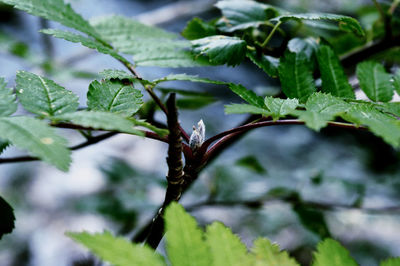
x: 245, y: 109
x: 247, y: 95
x: 102, y: 120
x: 118, y: 250
x: 391, y: 262
x: 330, y: 252
x: 296, y: 76
x: 185, y: 77
x: 280, y: 107
x: 374, y: 81
x: 150, y: 46
x: 383, y: 125
x: 396, y: 81
x: 226, y: 248
x: 267, y: 63
x: 345, y: 23
x: 8, y: 104
x: 185, y: 244
x: 44, y: 97
x: 334, y: 80
x: 391, y: 108
x: 55, y: 10
x: 38, y: 138
x: 116, y: 74
x: 266, y: 253
x: 85, y: 41
x: 242, y: 14
x: 114, y: 96
x: 197, y: 28
x: 220, y: 49
x: 308, y: 46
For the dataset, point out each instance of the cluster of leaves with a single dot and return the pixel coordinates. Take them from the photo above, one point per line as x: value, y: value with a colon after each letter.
x: 187, y: 244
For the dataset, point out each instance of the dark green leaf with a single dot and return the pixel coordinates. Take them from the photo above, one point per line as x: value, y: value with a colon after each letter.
x: 194, y: 103
x: 267, y: 63
x: 185, y: 77
x: 247, y: 95
x: 334, y: 80
x: 312, y: 220
x: 330, y: 252
x: 245, y: 109
x: 251, y: 162
x: 44, y: 97
x: 280, y: 107
x: 7, y: 218
x: 8, y: 104
x: 197, y: 28
x: 3, y: 145
x: 296, y: 76
x: 114, y: 96
x: 374, y: 81
x: 221, y: 49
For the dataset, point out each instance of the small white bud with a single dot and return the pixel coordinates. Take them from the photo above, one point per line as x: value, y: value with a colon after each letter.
x: 202, y: 130
x: 198, y: 136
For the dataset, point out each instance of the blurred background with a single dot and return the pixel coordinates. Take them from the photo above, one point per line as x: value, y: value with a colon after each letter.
x: 287, y: 183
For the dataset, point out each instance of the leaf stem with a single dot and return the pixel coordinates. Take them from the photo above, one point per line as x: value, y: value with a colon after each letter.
x: 271, y: 34
x: 393, y: 6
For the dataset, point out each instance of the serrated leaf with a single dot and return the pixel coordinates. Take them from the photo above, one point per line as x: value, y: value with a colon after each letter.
x: 114, y: 96
x: 391, y: 262
x: 374, y: 81
x: 380, y: 124
x: 38, y: 138
x: 267, y: 63
x: 55, y: 10
x: 247, y: 95
x: 185, y: 245
x: 43, y: 96
x: 85, y: 41
x: 3, y: 145
x: 245, y: 109
x: 185, y: 77
x: 117, y: 250
x: 197, y: 28
x: 7, y: 218
x: 266, y: 253
x: 280, y: 107
x: 396, y: 81
x: 330, y: 252
x: 320, y: 109
x: 220, y: 49
x: 346, y: 23
x: 116, y: 74
x: 8, y: 104
x: 226, y: 248
x: 102, y: 120
x: 240, y: 15
x: 150, y: 46
x: 334, y: 80
x: 296, y: 76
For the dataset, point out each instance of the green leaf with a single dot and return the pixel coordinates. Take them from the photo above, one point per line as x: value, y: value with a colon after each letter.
x: 296, y: 76
x: 374, y: 81
x: 251, y: 162
x: 8, y: 104
x: 320, y: 109
x: 55, y: 10
x: 38, y: 138
x: 391, y: 262
x: 116, y: 74
x: 240, y: 15
x: 102, y: 120
x: 308, y: 46
x: 44, y: 97
x: 3, y: 145
x: 150, y: 46
x: 226, y: 248
x: 346, y: 23
x: 269, y: 254
x: 185, y: 77
x: 197, y: 28
x: 194, y: 103
x: 185, y: 244
x: 114, y: 96
x: 330, y: 252
x: 7, y: 218
x: 396, y: 81
x: 117, y: 250
x: 267, y: 63
x: 280, y: 107
x: 245, y: 109
x: 334, y: 80
x: 380, y: 124
x: 85, y: 41
x: 220, y: 49
x: 247, y: 95
x: 391, y: 108
x: 313, y: 220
